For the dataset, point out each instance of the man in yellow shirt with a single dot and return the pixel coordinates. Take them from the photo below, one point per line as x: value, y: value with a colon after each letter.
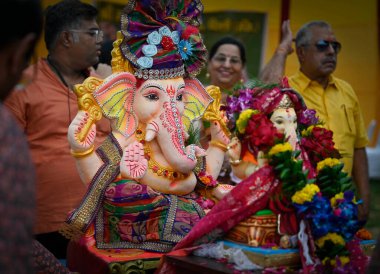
x: 334, y: 99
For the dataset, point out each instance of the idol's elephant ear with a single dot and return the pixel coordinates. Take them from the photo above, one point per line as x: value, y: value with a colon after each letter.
x: 196, y: 101
x: 115, y: 97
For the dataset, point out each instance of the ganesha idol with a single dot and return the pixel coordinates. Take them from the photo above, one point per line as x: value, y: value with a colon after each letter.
x: 142, y: 180
x: 273, y: 111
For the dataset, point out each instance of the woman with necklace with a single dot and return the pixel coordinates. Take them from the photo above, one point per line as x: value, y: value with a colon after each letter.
x: 226, y: 64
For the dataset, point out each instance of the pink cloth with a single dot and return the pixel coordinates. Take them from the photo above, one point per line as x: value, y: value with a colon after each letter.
x: 248, y: 197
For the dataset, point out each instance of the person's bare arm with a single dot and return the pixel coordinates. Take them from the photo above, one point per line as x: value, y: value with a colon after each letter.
x: 361, y: 179
x: 275, y: 69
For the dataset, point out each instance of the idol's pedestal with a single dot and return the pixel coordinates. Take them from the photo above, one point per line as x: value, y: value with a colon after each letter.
x: 269, y: 257
x: 257, y: 230
x: 87, y: 259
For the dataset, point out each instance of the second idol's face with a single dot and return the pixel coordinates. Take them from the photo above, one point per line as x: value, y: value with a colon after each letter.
x: 285, y: 120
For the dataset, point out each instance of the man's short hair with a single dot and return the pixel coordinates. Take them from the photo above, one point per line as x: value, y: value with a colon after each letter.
x: 303, y: 36
x: 65, y: 15
x: 18, y: 18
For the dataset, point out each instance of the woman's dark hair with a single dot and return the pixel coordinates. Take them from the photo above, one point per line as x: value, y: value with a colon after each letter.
x: 228, y: 40
x: 65, y: 15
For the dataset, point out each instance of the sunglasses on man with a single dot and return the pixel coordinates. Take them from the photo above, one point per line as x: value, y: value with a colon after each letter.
x: 323, y: 45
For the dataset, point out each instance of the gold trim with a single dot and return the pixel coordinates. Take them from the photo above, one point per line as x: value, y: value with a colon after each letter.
x: 82, y: 154
x: 76, y: 225
x: 87, y: 103
x: 219, y: 145
x: 213, y: 112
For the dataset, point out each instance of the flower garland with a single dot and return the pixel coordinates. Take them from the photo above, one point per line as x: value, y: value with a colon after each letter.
x: 324, y: 201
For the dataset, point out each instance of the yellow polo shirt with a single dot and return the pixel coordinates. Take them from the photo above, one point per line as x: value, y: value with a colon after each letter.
x: 338, y: 107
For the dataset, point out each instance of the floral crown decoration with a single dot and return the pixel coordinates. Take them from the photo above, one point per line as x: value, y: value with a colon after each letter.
x: 161, y: 39
x: 249, y: 108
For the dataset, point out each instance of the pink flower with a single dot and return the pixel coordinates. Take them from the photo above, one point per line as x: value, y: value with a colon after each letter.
x: 337, y: 212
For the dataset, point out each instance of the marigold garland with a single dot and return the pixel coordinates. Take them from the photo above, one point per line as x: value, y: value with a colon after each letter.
x: 306, y: 194
x: 330, y: 162
x: 280, y: 148
x: 242, y: 121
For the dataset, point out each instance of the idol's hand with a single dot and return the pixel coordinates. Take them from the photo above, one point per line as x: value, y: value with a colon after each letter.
x: 133, y: 163
x: 78, y: 143
x: 234, y: 149
x: 221, y: 190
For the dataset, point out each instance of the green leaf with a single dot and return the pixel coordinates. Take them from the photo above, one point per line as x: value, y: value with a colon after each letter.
x: 296, y: 153
x: 285, y: 174
x: 279, y: 167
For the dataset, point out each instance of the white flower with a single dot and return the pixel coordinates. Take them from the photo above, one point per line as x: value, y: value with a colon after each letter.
x: 164, y: 31
x: 145, y: 62
x: 154, y: 38
x: 175, y: 37
x: 149, y: 50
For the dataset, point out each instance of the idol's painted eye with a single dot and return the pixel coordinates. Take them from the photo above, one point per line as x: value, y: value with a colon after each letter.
x: 279, y: 121
x: 179, y: 97
x: 151, y: 96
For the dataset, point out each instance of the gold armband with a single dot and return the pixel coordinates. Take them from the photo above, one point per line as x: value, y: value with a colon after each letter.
x: 218, y: 144
x: 83, y: 154
x: 235, y: 162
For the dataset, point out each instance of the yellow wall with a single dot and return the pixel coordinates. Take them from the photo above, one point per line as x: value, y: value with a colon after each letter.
x: 355, y: 26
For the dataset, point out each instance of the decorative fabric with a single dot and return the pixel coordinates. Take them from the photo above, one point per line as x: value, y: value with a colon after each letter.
x: 135, y: 216
x: 128, y: 214
x: 161, y: 38
x: 248, y: 197
x: 80, y: 219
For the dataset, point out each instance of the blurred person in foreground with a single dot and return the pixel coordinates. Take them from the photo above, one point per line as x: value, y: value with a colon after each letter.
x: 17, y: 192
x: 333, y: 99
x: 17, y: 177
x: 44, y: 109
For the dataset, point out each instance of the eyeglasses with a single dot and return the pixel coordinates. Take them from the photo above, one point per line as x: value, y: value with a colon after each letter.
x: 97, y: 33
x: 221, y: 59
x: 323, y: 45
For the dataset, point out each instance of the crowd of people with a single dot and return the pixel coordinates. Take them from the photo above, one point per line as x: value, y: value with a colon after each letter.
x: 49, y: 187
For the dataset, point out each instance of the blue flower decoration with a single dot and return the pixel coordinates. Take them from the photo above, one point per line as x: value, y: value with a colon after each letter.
x: 175, y: 37
x: 145, y: 62
x: 165, y: 31
x: 185, y: 49
x: 149, y: 50
x: 154, y: 38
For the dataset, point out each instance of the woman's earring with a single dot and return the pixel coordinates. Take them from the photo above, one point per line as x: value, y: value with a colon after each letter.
x: 207, y: 75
